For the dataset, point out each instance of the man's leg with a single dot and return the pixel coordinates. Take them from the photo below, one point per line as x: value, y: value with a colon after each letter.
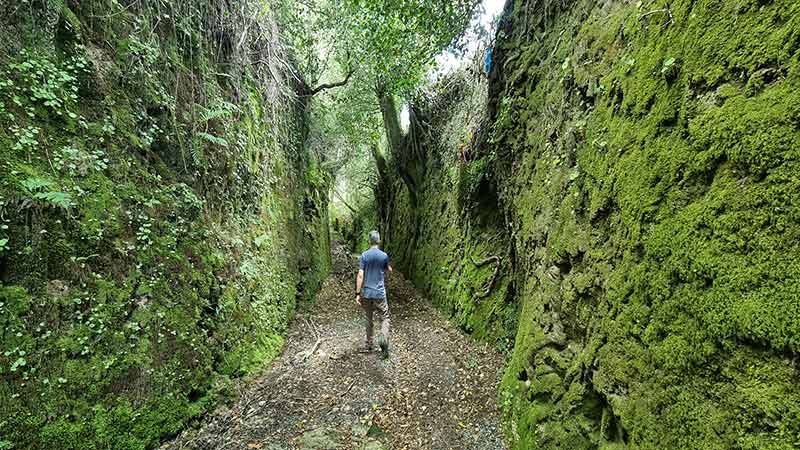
x: 382, y: 308
x: 368, y: 305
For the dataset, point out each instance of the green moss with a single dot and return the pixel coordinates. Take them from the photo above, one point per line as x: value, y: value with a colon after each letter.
x: 138, y: 277
x: 670, y: 223
x: 645, y: 167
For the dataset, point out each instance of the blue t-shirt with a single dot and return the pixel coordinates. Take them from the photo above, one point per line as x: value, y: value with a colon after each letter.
x: 374, y: 263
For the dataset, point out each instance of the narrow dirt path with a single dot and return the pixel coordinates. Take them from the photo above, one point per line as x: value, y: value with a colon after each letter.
x: 437, y: 391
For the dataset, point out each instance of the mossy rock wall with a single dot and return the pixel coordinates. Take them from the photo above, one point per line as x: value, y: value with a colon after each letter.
x: 160, y: 218
x: 644, y: 157
x: 444, y: 240
x: 353, y: 229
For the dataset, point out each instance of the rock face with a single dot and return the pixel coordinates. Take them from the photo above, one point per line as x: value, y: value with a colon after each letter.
x: 159, y: 214
x: 636, y: 173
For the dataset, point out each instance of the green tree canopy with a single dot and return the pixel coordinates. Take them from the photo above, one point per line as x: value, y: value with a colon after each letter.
x: 354, y: 57
x: 394, y: 42
x: 389, y: 44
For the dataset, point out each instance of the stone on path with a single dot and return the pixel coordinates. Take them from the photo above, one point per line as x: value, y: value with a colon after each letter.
x: 319, y: 439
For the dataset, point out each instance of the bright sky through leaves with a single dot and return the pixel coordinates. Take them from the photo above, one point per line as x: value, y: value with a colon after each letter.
x: 447, y: 61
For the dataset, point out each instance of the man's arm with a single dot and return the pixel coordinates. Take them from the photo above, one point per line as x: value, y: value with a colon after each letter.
x: 359, y: 285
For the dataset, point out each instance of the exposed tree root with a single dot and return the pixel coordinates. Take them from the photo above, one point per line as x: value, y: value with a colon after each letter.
x: 489, y: 286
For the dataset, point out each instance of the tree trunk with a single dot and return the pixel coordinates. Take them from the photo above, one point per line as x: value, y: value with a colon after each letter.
x: 391, y: 122
x: 399, y: 145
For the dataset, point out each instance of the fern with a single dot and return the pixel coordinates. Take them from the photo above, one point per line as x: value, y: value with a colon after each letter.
x: 221, y: 109
x: 197, y: 154
x: 260, y: 240
x: 216, y: 140
x: 57, y: 199
x: 33, y: 184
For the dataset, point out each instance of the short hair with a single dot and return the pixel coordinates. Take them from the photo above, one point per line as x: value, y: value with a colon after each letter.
x: 374, y: 238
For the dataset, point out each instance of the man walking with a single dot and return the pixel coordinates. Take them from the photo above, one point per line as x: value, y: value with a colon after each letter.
x: 371, y: 291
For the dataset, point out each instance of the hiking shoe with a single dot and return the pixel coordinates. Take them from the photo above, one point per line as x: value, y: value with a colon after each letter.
x: 384, y: 349
x: 367, y: 348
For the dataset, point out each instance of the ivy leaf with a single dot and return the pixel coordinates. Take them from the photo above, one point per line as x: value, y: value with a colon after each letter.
x: 20, y: 362
x: 668, y: 63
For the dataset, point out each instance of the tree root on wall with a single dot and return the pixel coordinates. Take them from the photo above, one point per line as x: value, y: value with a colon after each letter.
x: 487, y: 287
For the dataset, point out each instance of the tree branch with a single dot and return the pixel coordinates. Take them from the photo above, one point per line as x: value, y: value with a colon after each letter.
x: 670, y: 19
x: 341, y: 198
x: 326, y: 86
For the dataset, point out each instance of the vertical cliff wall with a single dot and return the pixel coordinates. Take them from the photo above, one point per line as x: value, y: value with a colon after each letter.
x: 637, y: 174
x: 160, y: 216
x: 451, y: 240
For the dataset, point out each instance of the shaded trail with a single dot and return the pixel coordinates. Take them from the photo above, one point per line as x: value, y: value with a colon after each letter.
x: 437, y: 391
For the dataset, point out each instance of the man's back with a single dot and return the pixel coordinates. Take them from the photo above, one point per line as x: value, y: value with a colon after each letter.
x: 374, y: 263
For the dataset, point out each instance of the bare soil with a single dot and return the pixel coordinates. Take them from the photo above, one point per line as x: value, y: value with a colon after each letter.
x: 437, y: 390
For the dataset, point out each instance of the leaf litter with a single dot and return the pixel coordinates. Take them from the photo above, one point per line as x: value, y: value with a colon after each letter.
x: 437, y: 390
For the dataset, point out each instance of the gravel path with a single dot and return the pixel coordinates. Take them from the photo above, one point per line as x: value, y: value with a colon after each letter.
x: 437, y: 391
